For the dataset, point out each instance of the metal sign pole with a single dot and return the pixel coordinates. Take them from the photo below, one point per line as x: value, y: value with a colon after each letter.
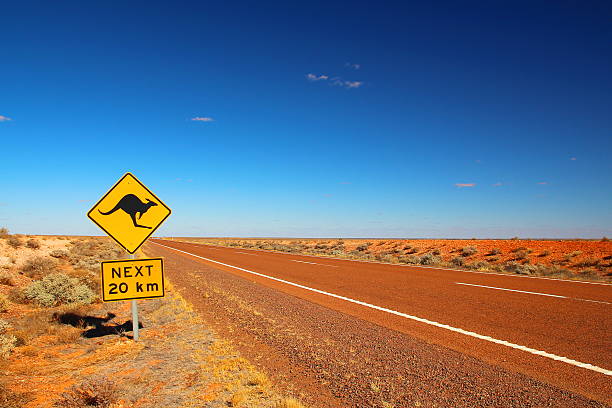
x: 134, y: 312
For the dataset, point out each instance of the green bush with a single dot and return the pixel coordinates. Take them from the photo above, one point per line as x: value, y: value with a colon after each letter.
x: 58, y: 288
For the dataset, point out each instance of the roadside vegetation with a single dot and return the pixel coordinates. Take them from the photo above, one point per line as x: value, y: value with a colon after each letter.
x: 556, y: 259
x: 51, y: 314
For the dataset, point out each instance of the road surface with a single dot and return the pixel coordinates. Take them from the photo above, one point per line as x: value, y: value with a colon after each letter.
x: 546, y: 336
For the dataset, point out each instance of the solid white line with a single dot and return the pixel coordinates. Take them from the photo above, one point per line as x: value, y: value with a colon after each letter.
x: 415, y: 318
x: 313, y: 263
x: 533, y: 293
x: 413, y: 266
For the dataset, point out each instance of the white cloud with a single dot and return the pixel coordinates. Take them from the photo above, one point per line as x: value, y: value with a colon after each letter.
x: 352, y: 66
x: 313, y: 77
x: 352, y: 84
x: 202, y: 119
x: 4, y: 118
x: 336, y: 80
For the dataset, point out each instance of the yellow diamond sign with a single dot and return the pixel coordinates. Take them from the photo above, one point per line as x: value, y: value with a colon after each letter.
x: 130, y: 213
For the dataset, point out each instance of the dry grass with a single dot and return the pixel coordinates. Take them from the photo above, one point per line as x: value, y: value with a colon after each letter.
x: 10, y: 399
x: 32, y: 243
x: 289, y: 403
x: 38, y: 267
x: 4, y: 303
x: 99, y: 393
x: 14, y: 242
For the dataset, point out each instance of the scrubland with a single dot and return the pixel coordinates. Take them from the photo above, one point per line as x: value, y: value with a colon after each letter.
x: 565, y: 259
x: 60, y: 346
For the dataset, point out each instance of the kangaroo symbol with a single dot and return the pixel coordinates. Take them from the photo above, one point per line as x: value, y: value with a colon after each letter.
x: 132, y: 205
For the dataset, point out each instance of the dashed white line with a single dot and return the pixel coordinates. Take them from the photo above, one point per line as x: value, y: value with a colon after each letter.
x: 313, y: 263
x: 415, y: 318
x: 533, y: 293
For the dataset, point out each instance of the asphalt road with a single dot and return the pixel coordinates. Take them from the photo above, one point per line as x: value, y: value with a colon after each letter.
x: 554, y: 331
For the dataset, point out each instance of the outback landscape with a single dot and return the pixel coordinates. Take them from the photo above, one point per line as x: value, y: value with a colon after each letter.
x: 60, y: 346
x: 273, y: 204
x: 566, y: 259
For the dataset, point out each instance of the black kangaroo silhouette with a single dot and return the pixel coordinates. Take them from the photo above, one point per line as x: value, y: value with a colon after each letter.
x: 132, y: 206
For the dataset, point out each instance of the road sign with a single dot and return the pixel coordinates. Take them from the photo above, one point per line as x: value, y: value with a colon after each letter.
x: 132, y: 279
x: 129, y: 213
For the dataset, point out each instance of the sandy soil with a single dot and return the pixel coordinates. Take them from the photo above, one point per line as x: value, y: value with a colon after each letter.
x: 179, y: 361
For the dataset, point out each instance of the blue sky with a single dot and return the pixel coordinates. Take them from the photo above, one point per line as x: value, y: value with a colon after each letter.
x: 357, y: 119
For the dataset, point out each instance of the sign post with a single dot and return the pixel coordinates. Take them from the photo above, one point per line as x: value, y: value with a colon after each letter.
x: 130, y: 213
x: 134, y: 312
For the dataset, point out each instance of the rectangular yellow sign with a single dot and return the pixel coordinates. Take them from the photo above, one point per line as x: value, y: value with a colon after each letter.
x: 132, y: 279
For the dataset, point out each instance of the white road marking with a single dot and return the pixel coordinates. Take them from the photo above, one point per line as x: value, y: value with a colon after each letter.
x: 415, y: 318
x: 423, y: 267
x: 533, y: 293
x: 313, y: 263
x: 246, y: 253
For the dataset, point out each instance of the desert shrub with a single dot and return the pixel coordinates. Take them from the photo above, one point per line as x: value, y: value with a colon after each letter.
x: 10, y: 399
x: 457, y: 261
x: 605, y: 239
x: 574, y: 254
x: 14, y: 242
x: 58, y: 288
x: 6, y: 279
x: 519, y: 269
x: 544, y: 253
x: 480, y: 265
x: 59, y: 253
x: 494, y: 251
x: 4, y: 232
x: 4, y: 326
x: 430, y: 259
x: 387, y: 258
x: 362, y: 247
x: 99, y: 393
x: 38, y: 267
x: 468, y: 251
x: 32, y: 243
x: 588, y: 263
x: 8, y: 342
x: 289, y: 403
x: 4, y: 303
x: 522, y: 254
x: 436, y: 252
x: 410, y: 259
x: 519, y: 249
x: 514, y: 239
